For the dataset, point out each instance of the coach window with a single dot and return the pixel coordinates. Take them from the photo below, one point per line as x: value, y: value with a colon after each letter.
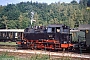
x: 19, y: 34
x: 10, y: 35
x: 3, y: 34
x: 0, y: 33
x: 16, y: 35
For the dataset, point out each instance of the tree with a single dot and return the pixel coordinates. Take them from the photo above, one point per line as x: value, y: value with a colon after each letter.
x: 83, y: 3
x: 11, y: 12
x: 2, y: 26
x: 19, y: 15
x: 5, y: 21
x: 88, y: 3
x: 74, y: 2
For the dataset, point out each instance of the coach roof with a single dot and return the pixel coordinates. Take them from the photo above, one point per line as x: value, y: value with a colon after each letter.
x: 56, y: 25
x: 84, y: 27
x: 11, y: 30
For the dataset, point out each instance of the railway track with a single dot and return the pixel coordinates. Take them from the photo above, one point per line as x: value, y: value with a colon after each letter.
x: 8, y: 46
x: 51, y: 57
x: 55, y: 54
x: 12, y: 49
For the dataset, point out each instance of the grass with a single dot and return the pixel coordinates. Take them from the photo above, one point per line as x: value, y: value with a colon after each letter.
x: 5, y: 56
x: 8, y: 43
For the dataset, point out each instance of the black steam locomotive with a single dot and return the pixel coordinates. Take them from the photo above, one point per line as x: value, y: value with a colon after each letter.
x: 53, y: 37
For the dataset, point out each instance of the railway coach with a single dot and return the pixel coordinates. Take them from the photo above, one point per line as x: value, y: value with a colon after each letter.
x: 11, y: 34
x: 81, y: 37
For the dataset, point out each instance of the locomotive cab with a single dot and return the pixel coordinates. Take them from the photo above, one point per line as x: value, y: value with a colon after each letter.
x: 60, y: 33
x: 58, y: 29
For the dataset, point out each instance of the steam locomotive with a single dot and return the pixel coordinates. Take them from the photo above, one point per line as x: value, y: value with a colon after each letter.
x: 55, y: 37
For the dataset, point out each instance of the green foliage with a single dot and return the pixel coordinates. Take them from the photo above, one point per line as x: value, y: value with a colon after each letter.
x: 83, y: 3
x: 40, y: 57
x: 5, y: 56
x: 19, y: 15
x: 11, y: 12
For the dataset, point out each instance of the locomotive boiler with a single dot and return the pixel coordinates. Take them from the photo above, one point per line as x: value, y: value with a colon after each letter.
x: 55, y: 36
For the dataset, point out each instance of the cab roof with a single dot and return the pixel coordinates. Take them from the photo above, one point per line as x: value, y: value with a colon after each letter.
x: 56, y: 25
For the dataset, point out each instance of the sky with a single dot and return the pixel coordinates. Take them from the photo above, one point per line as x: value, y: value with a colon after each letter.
x: 5, y: 2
